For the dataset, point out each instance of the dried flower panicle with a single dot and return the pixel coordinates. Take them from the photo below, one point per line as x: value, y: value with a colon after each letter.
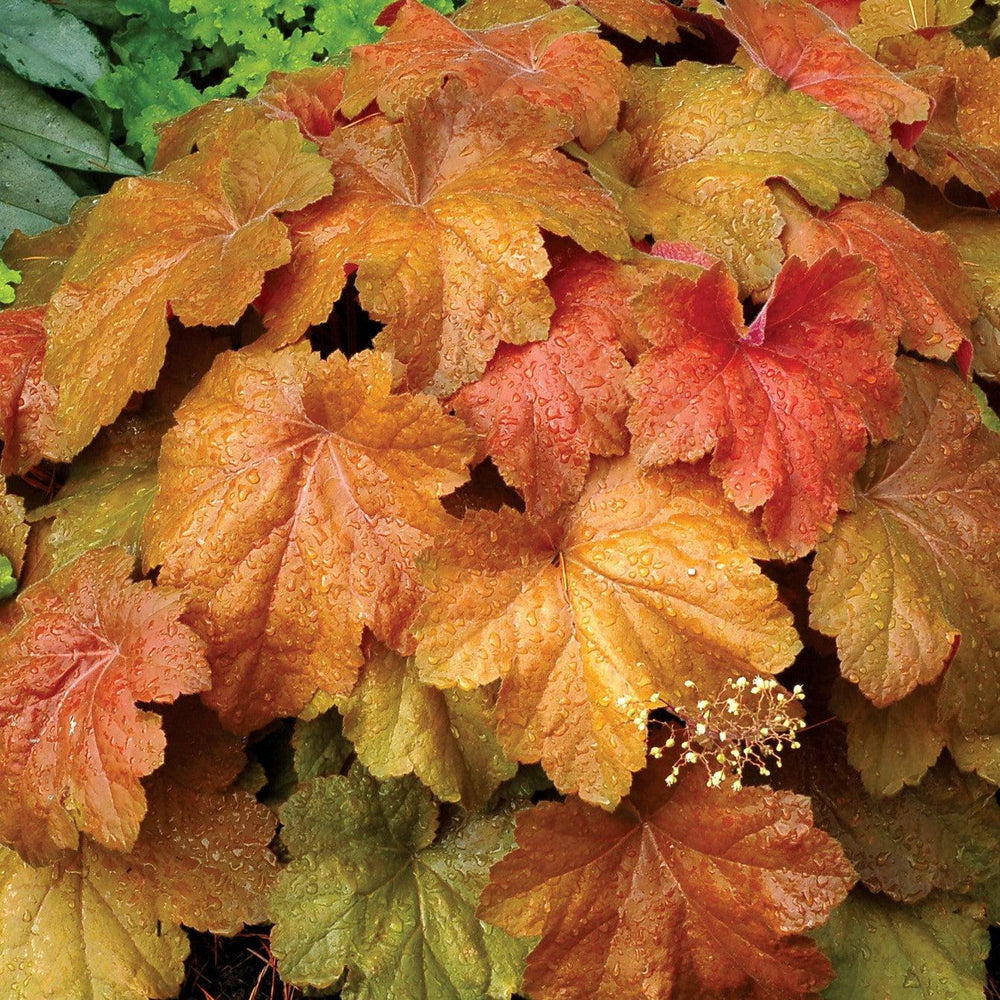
x: 747, y: 722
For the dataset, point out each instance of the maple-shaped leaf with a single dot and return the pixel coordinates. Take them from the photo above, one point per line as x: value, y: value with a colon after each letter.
x: 683, y: 892
x: 909, y: 580
x: 962, y: 138
x: 787, y: 419
x: 880, y: 19
x: 400, y: 725
x: 697, y: 145
x: 197, y: 238
x: 441, y: 212
x: 921, y: 280
x: 101, y: 925
x: 556, y: 61
x: 637, y: 19
x: 105, y: 498
x: 941, y: 834
x: 27, y: 399
x: 373, y: 885
x: 89, y: 645
x: 893, y: 746
x: 648, y: 581
x: 934, y: 950
x: 799, y: 43
x: 294, y: 496
x: 541, y: 410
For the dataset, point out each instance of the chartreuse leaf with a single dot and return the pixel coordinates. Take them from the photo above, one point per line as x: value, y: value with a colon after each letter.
x: 683, y: 892
x: 889, y: 18
x: 647, y: 581
x: 909, y: 582
x: 400, y: 725
x: 375, y: 886
x: 101, y: 925
x: 697, y: 145
x: 786, y: 419
x: 90, y: 644
x: 555, y: 61
x: 883, y: 950
x: 294, y: 497
x: 13, y: 535
x: 799, y: 43
x: 441, y: 212
x: 9, y: 278
x: 991, y: 421
x: 50, y: 46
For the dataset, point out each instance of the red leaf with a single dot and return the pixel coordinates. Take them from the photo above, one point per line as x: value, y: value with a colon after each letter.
x: 683, y: 892
x: 787, y: 418
x: 74, y: 745
x: 27, y: 400
x: 920, y: 275
x: 542, y: 409
x: 802, y: 45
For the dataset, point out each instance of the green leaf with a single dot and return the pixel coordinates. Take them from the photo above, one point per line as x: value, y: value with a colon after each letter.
x: 100, y: 12
x: 44, y: 129
x: 370, y: 888
x: 8, y: 582
x: 51, y: 46
x: 883, y: 950
x: 33, y: 197
x: 990, y: 419
x: 8, y: 279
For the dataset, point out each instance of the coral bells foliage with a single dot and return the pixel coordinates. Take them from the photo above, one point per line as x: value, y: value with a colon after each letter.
x: 559, y: 430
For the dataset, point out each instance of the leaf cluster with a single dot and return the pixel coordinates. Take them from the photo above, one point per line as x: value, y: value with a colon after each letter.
x: 556, y: 445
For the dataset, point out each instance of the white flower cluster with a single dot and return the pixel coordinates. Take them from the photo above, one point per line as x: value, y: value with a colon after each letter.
x: 747, y: 722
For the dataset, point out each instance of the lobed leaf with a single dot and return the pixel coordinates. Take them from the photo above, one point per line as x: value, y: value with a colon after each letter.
x: 647, y: 581
x: 197, y: 238
x: 801, y: 44
x: 786, y: 419
x: 553, y: 61
x: 698, y: 144
x: 373, y: 886
x: 294, y: 497
x: 684, y: 891
x: 441, y: 214
x: 89, y: 645
x: 908, y: 581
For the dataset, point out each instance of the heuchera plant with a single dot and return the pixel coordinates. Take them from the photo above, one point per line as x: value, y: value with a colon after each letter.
x: 664, y: 469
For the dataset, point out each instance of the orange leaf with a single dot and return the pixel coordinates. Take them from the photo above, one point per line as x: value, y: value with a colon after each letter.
x: 921, y: 280
x: 197, y: 238
x: 74, y: 745
x: 441, y: 213
x: 786, y: 404
x: 294, y: 497
x: 648, y: 581
x: 555, y: 61
x: 542, y: 409
x: 683, y: 892
x: 962, y: 138
x: 27, y: 400
x: 802, y: 45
